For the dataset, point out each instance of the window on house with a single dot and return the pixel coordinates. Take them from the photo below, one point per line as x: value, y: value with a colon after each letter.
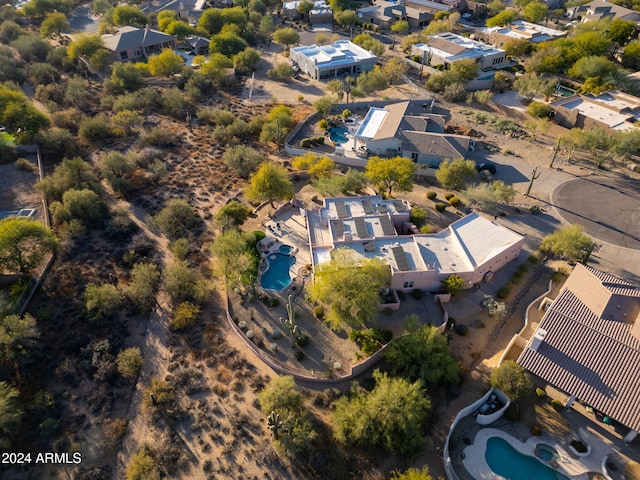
x: 124, y: 55
x: 138, y: 53
x: 408, y: 284
x: 414, y: 156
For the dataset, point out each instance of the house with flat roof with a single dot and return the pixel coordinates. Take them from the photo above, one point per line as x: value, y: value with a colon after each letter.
x: 134, y: 43
x: 472, y: 247
x: 320, y: 13
x: 394, y: 131
x: 588, y: 345
x: 600, y: 9
x: 520, y: 30
x: 447, y: 48
x: 384, y: 14
x: 429, y: 6
x: 340, y: 59
x: 608, y: 110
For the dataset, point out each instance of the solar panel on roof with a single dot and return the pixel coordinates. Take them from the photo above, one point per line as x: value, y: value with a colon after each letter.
x: 341, y: 209
x: 367, y: 206
x: 361, y: 227
x: 387, y: 226
x: 338, y: 228
x: 400, y: 206
x: 401, y: 258
x: 383, y: 208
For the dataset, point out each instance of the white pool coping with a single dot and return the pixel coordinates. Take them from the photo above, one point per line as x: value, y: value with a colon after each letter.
x: 476, y: 464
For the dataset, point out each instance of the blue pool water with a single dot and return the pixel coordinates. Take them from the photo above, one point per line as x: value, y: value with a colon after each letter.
x: 277, y: 275
x: 285, y: 249
x: 506, y: 461
x: 338, y: 134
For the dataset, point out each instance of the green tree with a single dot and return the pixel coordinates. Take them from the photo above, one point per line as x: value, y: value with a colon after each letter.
x: 10, y: 414
x: 395, y: 69
x: 271, y: 182
x: 530, y: 84
x: 423, y: 355
x: 323, y: 106
x: 165, y: 17
x: 165, y: 64
x: 496, y: 6
x: 454, y: 174
x: 102, y: 301
x: 366, y: 41
x: 286, y: 36
x: 143, y: 466
x: 605, y: 70
x: 539, y: 109
x: 568, y: 242
x: 17, y: 336
x: 143, y: 285
x: 354, y: 181
x: 72, y: 173
x: 211, y: 21
x: 345, y: 18
x: 517, y: 48
x: 24, y: 244
x: 350, y: 287
x: 371, y: 81
x: 318, y: 166
x: 512, y: 379
x: 589, y: 43
x: 124, y: 15
x: 232, y: 214
x: 177, y: 218
x: 631, y: 55
x: 129, y: 363
x: 449, y: 24
x: 488, y: 196
x: 453, y: 284
x: 282, y: 72
x: 241, y: 160
x: 180, y: 30
x: 401, y: 27
x: 179, y: 281
x: 227, y: 43
x: 391, y: 174
x: 245, y: 61
x: 502, y: 18
x: 280, y: 395
x: 535, y: 11
x: 125, y: 77
x: 391, y: 416
x: 413, y: 474
x: 84, y: 205
x: 232, y: 252
x: 619, y: 31
x: 55, y: 22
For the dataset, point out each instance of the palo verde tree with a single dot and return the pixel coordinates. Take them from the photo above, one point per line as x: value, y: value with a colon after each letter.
x: 391, y: 416
x: 24, y: 243
x: 570, y: 242
x: 391, y: 174
x: 232, y: 214
x: 10, y: 414
x: 350, y: 287
x: 17, y: 336
x: 454, y: 174
x: 512, y: 379
x: 271, y: 182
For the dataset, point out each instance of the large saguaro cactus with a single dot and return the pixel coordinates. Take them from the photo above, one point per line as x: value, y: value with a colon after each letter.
x: 290, y: 323
x: 274, y: 424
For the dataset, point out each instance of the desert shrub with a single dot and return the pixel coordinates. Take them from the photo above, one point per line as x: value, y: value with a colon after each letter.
x: 49, y: 427
x: 159, y: 137
x: 523, y: 268
x: 317, y: 140
x: 184, y: 315
x: 540, y: 392
x: 417, y: 294
x: 180, y: 248
x: 274, y: 302
x: 533, y: 258
x: 431, y: 195
x: 177, y: 218
x: 129, y: 362
x: 323, y: 124
x: 299, y: 355
x: 503, y: 292
x: 454, y: 201
x: 319, y: 311
x: 302, y: 340
x: 557, y: 405
x: 371, y: 339
x: 449, y: 195
x: 535, y: 431
x: 242, y: 160
x: 441, y: 207
x: 120, y: 226
x: 462, y: 329
x: 95, y: 129
x: 512, y: 413
x: 426, y: 229
x: 143, y: 466
x: 539, y: 109
x: 114, y: 430
x: 418, y: 216
x: 305, y: 143
x: 25, y: 165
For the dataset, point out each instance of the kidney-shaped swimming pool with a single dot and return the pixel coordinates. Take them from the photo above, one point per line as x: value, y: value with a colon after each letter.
x: 507, y: 462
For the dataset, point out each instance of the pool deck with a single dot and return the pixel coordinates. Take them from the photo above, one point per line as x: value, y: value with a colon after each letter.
x: 576, y: 468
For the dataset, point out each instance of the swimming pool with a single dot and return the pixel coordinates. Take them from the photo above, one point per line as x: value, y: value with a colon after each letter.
x: 277, y: 275
x: 285, y: 249
x: 546, y: 452
x: 338, y: 134
x: 506, y: 461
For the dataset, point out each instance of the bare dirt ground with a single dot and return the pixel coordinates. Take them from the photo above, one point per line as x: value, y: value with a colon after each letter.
x: 17, y: 187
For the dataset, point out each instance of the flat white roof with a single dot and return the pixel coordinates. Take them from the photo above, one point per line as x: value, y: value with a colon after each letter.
x: 530, y: 31
x: 605, y: 108
x: 473, y: 48
x: 341, y: 52
x: 371, y: 123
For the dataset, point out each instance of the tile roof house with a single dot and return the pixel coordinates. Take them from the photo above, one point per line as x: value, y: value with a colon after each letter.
x: 391, y: 131
x: 599, y: 9
x: 588, y: 345
x: 134, y: 43
x: 608, y: 110
x: 319, y: 14
x: 472, y: 247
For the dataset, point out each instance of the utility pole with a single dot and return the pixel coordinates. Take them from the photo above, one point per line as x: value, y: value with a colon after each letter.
x: 534, y: 175
x: 556, y: 149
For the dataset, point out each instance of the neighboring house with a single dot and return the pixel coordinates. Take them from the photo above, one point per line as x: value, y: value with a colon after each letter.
x: 385, y: 14
x: 390, y: 131
x: 599, y: 9
x: 447, y: 48
x: 609, y: 110
x: 196, y: 45
x: 133, y: 43
x: 520, y: 30
x: 340, y: 59
x: 189, y: 11
x: 471, y: 247
x: 588, y: 345
x: 320, y: 13
x: 428, y: 6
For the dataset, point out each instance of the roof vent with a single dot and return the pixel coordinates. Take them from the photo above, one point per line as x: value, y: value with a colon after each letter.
x: 537, y: 340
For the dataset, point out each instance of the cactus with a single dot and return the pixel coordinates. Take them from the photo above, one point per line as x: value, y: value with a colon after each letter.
x: 290, y: 323
x: 274, y: 424
x: 534, y: 175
